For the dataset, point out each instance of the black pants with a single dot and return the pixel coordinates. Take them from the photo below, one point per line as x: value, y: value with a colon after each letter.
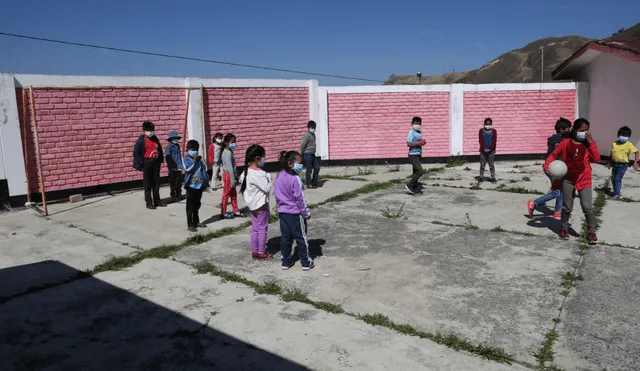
x: 194, y: 198
x: 151, y: 181
x: 418, y: 171
x: 175, y: 182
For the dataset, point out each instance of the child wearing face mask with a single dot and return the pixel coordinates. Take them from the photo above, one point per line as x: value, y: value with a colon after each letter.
x: 147, y: 157
x: 173, y: 155
x: 229, y: 176
x: 577, y: 153
x: 488, y: 140
x: 308, y: 150
x: 195, y: 181
x: 214, y: 159
x: 255, y: 188
x: 293, y: 211
x: 619, y: 159
x: 415, y: 143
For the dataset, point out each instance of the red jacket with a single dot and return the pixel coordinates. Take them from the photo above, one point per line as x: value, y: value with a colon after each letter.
x: 590, y: 155
x: 493, y: 144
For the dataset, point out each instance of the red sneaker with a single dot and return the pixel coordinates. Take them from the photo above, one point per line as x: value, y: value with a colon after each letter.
x: 264, y: 257
x: 531, y: 206
x: 564, y: 234
x: 557, y: 215
x: 592, y: 239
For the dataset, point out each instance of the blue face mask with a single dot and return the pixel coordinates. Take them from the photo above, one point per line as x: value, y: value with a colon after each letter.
x: 581, y: 135
x: 297, y: 168
x: 623, y: 139
x: 232, y: 146
x: 261, y: 163
x: 193, y: 153
x: 312, y: 131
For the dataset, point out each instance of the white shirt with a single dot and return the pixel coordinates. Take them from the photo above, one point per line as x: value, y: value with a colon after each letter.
x: 258, y: 188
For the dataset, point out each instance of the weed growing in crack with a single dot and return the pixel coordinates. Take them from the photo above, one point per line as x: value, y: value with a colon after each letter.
x: 470, y: 225
x: 393, y: 214
x: 521, y: 190
x: 366, y: 170
x: 545, y: 354
x: 475, y: 186
x: 393, y: 169
x: 434, y: 170
x: 569, y: 280
x: 342, y: 177
x: 269, y: 288
x: 518, y: 166
x: 526, y: 179
x: 454, y: 161
x: 513, y: 181
x: 299, y: 296
x: 498, y: 229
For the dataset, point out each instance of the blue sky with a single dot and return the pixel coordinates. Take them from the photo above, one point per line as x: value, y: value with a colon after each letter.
x: 370, y: 39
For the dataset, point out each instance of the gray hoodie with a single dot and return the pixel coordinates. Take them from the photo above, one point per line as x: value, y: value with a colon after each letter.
x: 308, y: 145
x: 229, y: 165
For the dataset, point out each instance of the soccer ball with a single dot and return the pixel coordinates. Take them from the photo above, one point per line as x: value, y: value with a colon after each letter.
x: 558, y: 169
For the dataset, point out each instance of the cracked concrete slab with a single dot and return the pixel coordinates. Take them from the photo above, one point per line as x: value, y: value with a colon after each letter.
x: 496, y: 288
x: 600, y: 326
x: 160, y: 315
x: 620, y: 224
x: 31, y: 245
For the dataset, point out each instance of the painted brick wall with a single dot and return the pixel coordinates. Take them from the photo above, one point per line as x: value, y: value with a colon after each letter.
x: 275, y: 118
x: 375, y: 125
x: 87, y: 135
x: 523, y: 119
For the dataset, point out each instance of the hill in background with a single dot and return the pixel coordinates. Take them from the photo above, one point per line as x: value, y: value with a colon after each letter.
x: 516, y: 66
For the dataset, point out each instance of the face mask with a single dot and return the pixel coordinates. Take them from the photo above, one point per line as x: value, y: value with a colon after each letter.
x: 487, y: 127
x: 417, y: 127
x: 261, y: 163
x: 232, y: 146
x: 219, y: 141
x: 623, y: 139
x: 581, y: 135
x: 175, y: 141
x: 297, y: 168
x: 312, y: 131
x: 149, y: 133
x: 193, y: 153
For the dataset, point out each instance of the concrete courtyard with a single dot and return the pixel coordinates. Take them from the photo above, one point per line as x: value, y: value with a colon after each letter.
x: 455, y: 279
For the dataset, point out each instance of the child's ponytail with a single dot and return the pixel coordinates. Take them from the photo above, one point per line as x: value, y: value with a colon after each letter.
x: 286, y: 158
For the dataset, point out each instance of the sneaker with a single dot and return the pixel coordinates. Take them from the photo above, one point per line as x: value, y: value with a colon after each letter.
x: 309, y: 186
x: 530, y: 207
x: 618, y: 197
x: 161, y: 204
x: 192, y: 229
x: 557, y: 215
x: 238, y: 214
x: 493, y: 180
x: 592, y: 239
x: 151, y: 207
x: 264, y: 257
x: 287, y: 266
x: 564, y: 234
x: 227, y: 216
x: 410, y: 189
x: 418, y: 191
x: 310, y: 267
x: 202, y: 225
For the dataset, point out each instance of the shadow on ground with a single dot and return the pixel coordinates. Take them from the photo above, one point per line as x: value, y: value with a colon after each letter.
x: 92, y: 325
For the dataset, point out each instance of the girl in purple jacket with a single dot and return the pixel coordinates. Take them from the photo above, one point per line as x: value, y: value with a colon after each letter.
x: 293, y: 211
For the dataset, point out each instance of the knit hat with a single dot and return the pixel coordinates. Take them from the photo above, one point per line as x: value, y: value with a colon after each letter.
x: 174, y: 135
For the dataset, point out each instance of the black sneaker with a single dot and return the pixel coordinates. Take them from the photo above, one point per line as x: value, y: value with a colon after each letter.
x: 192, y: 229
x: 418, y: 191
x: 238, y: 215
x: 493, y: 180
x: 151, y: 207
x: 287, y: 266
x: 161, y: 204
x: 309, y: 267
x: 410, y: 189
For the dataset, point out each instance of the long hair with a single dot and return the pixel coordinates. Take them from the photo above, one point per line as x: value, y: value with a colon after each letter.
x: 225, y: 144
x: 254, y: 151
x: 286, y: 157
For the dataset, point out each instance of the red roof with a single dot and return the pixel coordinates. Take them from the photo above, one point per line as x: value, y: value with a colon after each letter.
x: 623, y: 47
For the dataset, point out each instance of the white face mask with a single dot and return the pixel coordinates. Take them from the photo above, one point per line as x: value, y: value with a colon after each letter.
x: 417, y: 127
x: 488, y: 127
x: 219, y: 141
x: 175, y: 141
x: 149, y: 133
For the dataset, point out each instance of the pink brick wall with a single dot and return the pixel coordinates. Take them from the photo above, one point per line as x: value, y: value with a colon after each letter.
x: 87, y: 135
x: 523, y: 119
x: 275, y: 118
x: 375, y: 125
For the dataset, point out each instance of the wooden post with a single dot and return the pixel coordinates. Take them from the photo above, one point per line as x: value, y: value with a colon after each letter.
x: 203, y: 144
x: 37, y: 143
x: 24, y: 140
x: 186, y: 121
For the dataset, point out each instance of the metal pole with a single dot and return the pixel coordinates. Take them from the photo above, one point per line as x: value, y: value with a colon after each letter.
x: 35, y: 137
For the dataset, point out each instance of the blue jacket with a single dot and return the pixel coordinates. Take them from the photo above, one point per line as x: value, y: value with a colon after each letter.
x: 174, y: 157
x: 196, y: 176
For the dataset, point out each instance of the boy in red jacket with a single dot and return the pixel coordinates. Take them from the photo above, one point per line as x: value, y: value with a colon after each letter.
x: 488, y: 139
x: 577, y: 153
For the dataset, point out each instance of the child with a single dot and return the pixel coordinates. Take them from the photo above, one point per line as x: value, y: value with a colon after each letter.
x: 147, y: 157
x: 563, y: 130
x: 415, y: 143
x: 173, y: 155
x: 293, y: 211
x: 255, y: 188
x: 308, y: 150
x: 195, y: 182
x: 619, y: 159
x: 229, y: 176
x: 488, y: 140
x: 577, y: 153
x: 214, y: 157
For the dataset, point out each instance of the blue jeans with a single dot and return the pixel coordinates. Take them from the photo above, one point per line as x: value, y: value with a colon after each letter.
x: 311, y: 163
x: 557, y: 194
x: 294, y: 227
x: 617, y: 172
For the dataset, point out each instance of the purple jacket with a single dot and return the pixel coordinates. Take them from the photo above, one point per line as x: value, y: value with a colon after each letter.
x: 290, y: 196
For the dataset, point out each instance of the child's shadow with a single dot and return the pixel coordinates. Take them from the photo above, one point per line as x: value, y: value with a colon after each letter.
x: 315, y: 247
x: 547, y: 221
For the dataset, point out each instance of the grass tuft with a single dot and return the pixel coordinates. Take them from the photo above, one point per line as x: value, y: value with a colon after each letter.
x: 475, y: 186
x: 393, y: 168
x: 545, y: 354
x: 467, y: 168
x: 498, y: 229
x: 269, y: 288
x: 521, y: 190
x: 454, y: 161
x: 393, y: 214
x: 366, y: 170
x: 343, y: 177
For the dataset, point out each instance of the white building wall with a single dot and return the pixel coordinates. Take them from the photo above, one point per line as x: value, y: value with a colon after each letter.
x: 11, y: 155
x: 614, y: 98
